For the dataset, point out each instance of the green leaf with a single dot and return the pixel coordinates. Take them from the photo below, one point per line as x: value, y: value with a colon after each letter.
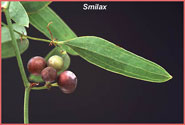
x: 35, y: 78
x: 56, y: 51
x: 108, y: 56
x: 58, y: 28
x: 7, y: 50
x: 34, y: 6
x: 4, y: 4
x: 18, y: 14
x: 6, y: 35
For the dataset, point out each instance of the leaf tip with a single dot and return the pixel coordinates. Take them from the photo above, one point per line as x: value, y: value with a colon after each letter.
x: 168, y: 78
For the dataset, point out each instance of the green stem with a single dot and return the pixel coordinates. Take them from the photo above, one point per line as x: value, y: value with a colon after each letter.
x: 20, y: 64
x: 45, y: 87
x: 26, y: 105
x: 54, y: 85
x: 39, y: 39
x: 16, y: 49
x: 39, y: 88
x: 34, y: 38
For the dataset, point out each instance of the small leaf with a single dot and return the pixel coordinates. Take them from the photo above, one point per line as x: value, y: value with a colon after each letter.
x: 34, y: 6
x: 58, y: 28
x: 18, y: 14
x: 6, y: 35
x: 4, y: 4
x: 35, y: 78
x: 108, y: 56
x: 7, y: 50
x: 56, y: 51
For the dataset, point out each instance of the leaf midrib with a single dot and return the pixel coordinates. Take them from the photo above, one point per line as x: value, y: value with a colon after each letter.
x: 145, y: 78
x: 130, y: 53
x: 118, y: 61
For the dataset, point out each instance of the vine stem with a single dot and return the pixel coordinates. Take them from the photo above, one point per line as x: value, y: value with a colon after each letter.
x: 20, y: 64
x: 26, y: 105
x: 16, y: 49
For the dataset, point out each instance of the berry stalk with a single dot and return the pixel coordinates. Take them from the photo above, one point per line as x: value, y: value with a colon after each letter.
x: 45, y: 87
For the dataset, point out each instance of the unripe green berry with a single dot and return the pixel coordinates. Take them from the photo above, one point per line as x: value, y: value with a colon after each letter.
x: 56, y: 62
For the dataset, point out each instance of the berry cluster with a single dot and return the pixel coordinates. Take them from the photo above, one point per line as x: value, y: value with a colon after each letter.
x: 67, y: 80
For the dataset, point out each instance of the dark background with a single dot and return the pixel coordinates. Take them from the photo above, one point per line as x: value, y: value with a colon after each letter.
x: 151, y: 30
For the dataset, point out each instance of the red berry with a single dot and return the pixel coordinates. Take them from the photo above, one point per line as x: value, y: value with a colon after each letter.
x: 67, y: 82
x: 49, y: 74
x: 36, y: 65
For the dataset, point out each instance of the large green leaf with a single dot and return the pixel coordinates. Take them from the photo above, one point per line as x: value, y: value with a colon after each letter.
x: 18, y: 13
x: 34, y: 6
x: 56, y: 51
x: 108, y: 56
x: 58, y: 28
x: 7, y: 50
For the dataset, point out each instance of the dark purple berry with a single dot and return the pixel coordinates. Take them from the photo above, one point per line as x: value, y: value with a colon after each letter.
x: 36, y: 65
x: 67, y: 82
x: 49, y: 74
